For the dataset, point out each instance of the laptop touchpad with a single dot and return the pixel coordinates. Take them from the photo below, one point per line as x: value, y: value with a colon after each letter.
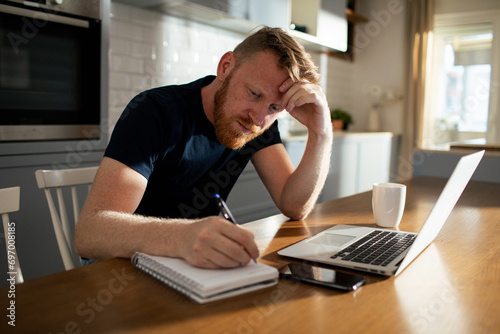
x: 331, y: 239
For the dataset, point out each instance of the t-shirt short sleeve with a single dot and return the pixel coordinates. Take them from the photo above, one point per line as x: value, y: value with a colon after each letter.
x: 139, y: 135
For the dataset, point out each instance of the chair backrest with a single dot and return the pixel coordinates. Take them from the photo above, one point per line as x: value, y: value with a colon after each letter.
x: 9, y: 202
x: 57, y: 180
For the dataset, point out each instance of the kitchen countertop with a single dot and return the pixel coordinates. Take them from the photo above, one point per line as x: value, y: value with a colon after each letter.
x: 339, y: 134
x: 476, y: 144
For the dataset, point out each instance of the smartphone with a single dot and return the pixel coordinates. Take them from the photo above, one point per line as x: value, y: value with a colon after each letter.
x: 301, y: 272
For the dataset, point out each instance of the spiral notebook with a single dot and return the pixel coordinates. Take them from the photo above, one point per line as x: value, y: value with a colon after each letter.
x: 206, y: 285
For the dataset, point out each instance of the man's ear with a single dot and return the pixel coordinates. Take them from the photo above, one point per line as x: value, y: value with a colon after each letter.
x: 226, y: 65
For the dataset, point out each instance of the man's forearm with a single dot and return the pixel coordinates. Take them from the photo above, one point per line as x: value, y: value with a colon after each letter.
x: 211, y: 242
x: 108, y: 234
x: 306, y: 182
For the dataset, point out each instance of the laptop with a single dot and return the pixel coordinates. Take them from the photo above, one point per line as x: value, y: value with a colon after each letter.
x: 383, y: 251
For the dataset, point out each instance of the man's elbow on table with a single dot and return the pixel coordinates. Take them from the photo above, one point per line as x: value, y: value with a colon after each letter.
x: 90, y: 240
x: 296, y: 212
x: 80, y: 240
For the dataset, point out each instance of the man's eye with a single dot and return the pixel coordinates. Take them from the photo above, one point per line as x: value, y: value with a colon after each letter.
x: 275, y: 108
x: 254, y: 94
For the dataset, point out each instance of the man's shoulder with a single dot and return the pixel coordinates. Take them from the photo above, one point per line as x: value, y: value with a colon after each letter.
x: 166, y: 102
x: 183, y: 93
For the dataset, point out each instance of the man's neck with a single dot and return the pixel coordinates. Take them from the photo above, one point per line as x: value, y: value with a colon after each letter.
x: 207, y: 99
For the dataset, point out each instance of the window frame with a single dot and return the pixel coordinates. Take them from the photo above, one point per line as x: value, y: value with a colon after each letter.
x: 453, y: 19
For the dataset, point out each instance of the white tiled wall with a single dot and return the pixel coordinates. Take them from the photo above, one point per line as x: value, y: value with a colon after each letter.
x: 339, y: 84
x: 149, y: 49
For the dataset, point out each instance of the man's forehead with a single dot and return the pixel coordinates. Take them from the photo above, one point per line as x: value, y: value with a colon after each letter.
x: 266, y: 79
x: 265, y: 65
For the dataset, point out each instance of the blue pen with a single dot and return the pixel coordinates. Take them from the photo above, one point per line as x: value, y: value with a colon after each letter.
x: 225, y: 212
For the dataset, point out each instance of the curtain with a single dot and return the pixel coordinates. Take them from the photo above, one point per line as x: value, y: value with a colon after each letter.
x: 419, y: 16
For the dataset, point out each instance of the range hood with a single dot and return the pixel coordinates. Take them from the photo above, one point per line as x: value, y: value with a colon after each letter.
x: 235, y: 15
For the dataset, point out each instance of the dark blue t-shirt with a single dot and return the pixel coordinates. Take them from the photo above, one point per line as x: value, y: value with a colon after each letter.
x: 165, y: 135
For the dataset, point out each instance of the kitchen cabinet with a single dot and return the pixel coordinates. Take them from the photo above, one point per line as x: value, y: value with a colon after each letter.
x: 241, y: 16
x: 329, y: 25
x: 249, y: 200
x: 326, y: 20
x: 358, y: 160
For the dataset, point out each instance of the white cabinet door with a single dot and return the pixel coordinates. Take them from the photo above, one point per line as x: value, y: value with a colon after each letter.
x: 249, y: 200
x: 295, y: 149
x: 358, y: 161
x: 374, y: 163
x: 342, y: 179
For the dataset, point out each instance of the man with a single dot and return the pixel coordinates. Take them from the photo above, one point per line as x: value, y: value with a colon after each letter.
x: 175, y: 146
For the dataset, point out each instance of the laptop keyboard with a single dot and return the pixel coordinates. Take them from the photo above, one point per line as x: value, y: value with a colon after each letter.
x: 377, y: 248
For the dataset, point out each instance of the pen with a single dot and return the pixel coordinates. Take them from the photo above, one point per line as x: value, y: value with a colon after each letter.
x: 225, y: 212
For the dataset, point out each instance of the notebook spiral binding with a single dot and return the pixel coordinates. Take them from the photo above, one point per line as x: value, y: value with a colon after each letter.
x: 164, y: 275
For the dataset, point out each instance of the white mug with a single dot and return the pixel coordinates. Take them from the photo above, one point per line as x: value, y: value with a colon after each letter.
x: 388, y: 203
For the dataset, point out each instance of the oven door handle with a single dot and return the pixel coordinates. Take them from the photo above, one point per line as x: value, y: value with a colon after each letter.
x: 43, y: 16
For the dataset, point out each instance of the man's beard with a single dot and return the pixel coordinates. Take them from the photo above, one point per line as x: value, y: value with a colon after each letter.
x: 225, y: 130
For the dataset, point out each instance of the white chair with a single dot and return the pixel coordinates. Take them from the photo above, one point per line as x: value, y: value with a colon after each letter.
x: 57, y: 179
x: 9, y: 202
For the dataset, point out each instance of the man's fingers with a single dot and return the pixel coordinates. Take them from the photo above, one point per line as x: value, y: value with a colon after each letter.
x: 286, y: 85
x: 301, y: 93
x: 244, y: 239
x: 218, y: 243
x: 290, y: 96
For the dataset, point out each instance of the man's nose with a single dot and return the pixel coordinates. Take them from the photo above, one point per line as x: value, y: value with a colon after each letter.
x: 258, y: 115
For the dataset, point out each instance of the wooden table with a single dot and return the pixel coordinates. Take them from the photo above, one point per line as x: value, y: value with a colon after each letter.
x: 452, y: 287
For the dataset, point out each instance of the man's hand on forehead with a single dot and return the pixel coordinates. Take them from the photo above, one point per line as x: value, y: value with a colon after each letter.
x: 285, y: 86
x: 307, y: 103
x: 298, y: 94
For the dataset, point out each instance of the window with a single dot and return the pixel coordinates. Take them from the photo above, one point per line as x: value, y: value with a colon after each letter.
x: 461, y: 84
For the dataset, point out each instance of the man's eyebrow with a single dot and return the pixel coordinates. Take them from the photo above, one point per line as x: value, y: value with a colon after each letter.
x: 256, y: 90
x: 262, y: 94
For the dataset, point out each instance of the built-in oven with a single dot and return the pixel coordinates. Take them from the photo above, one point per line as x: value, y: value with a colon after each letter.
x: 50, y: 55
